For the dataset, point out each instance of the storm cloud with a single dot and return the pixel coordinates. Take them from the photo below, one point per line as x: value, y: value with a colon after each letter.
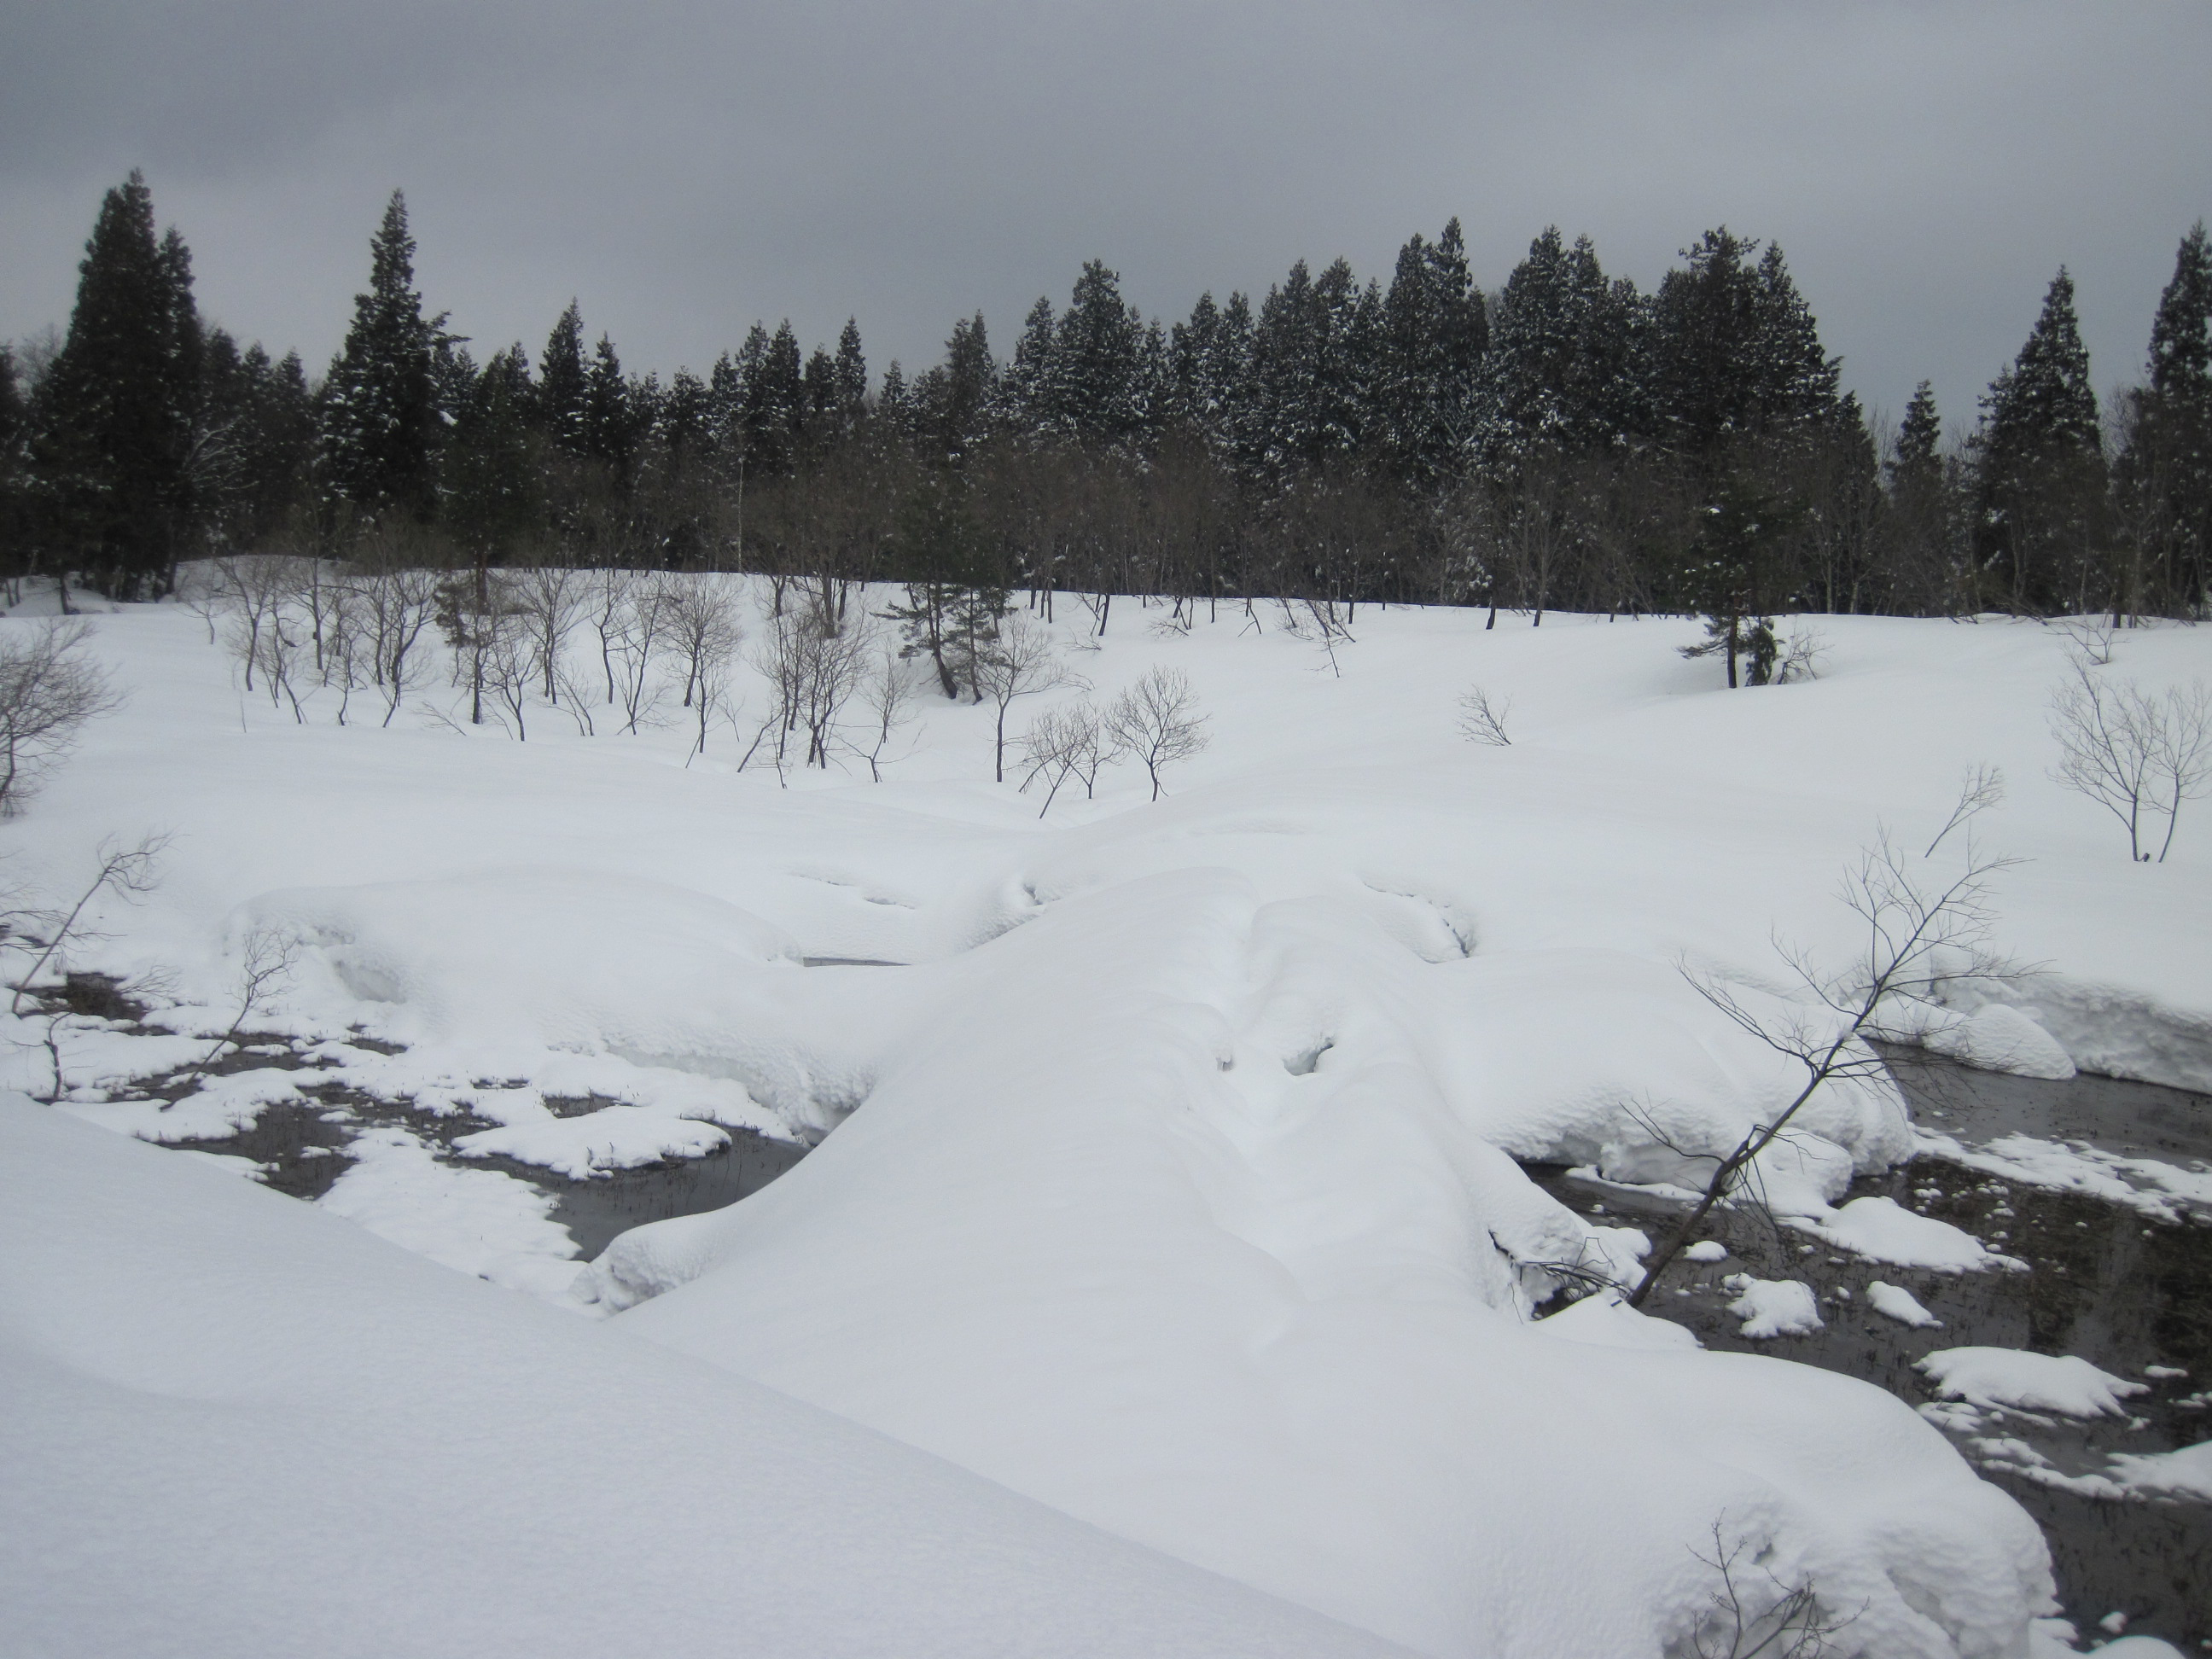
x: 683, y: 170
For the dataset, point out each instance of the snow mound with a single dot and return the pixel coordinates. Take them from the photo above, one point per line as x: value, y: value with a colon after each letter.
x: 1773, y: 1307
x: 2185, y: 1474
x: 347, y: 1419
x: 1998, y: 1037
x: 1883, y: 1230
x: 2014, y: 1379
x: 1895, y: 1302
x: 1610, y: 1322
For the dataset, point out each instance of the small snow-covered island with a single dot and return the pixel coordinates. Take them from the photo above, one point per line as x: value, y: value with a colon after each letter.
x: 1402, y: 968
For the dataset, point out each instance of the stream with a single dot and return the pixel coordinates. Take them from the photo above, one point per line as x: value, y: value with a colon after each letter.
x: 2129, y: 1291
x: 2123, y: 1290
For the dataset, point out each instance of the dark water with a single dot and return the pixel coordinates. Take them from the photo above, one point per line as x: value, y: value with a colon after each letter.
x: 2122, y: 1290
x: 595, y: 1211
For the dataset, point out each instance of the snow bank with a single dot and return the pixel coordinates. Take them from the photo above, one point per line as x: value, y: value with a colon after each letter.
x: 1773, y: 1307
x: 2012, y: 1378
x: 239, y: 1426
x: 1175, y: 1183
x: 2186, y: 1473
x: 1101, y: 1153
x: 1895, y: 1302
x: 1883, y: 1230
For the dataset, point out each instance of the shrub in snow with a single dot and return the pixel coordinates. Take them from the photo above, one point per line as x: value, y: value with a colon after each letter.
x: 49, y: 688
x: 2136, y: 756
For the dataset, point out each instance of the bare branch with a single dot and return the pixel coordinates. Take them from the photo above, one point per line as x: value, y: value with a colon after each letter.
x: 1480, y: 720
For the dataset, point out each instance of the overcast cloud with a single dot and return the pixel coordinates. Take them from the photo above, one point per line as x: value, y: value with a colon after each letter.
x: 684, y: 168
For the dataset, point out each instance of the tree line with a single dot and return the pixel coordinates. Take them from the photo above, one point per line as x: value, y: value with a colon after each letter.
x: 1565, y: 441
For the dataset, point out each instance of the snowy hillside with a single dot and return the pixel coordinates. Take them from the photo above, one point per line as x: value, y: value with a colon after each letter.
x: 1166, y: 1173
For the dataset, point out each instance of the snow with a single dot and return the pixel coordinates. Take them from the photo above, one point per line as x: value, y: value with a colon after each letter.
x: 238, y: 1426
x: 475, y: 1221
x: 1706, y: 1249
x: 1773, y: 1307
x: 1174, y: 1184
x: 1882, y: 1229
x: 2186, y: 1473
x: 1895, y: 1302
x: 2161, y: 1189
x: 2015, y: 1379
x: 1998, y: 1037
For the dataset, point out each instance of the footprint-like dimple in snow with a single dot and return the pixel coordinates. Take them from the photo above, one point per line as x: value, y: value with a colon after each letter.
x: 870, y: 893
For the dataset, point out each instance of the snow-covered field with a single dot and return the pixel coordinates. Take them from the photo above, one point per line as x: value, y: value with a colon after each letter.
x: 1172, y: 1185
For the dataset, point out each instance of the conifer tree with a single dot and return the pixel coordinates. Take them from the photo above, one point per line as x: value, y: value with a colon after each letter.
x: 771, y: 398
x: 563, y: 394
x: 115, y: 412
x: 491, y: 477
x: 1028, y: 392
x: 612, y: 420
x: 2166, y: 465
x: 1564, y: 365
x: 1097, y: 393
x: 1313, y: 356
x: 2039, y: 468
x: 15, y: 436
x: 851, y: 375
x: 954, y: 598
x: 1736, y: 355
x: 953, y: 402
x: 381, y: 423
x: 1434, y: 331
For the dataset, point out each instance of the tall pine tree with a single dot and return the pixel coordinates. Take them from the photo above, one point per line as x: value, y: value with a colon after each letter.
x: 2040, y: 475
x: 118, y: 409
x: 381, y: 423
x: 2166, y: 465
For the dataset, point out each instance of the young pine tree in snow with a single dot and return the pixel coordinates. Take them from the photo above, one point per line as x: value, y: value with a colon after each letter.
x: 381, y: 426
x: 953, y: 598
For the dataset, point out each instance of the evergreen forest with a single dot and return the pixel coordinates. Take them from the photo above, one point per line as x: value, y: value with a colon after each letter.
x: 1562, y: 441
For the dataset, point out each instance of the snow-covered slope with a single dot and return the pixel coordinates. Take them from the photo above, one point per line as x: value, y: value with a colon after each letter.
x: 1174, y: 1185
x: 236, y: 1426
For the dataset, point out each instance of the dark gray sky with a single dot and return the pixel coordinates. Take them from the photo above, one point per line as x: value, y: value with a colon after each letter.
x: 684, y: 167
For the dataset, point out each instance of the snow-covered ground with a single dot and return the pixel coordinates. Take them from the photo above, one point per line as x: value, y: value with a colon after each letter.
x: 1172, y: 1183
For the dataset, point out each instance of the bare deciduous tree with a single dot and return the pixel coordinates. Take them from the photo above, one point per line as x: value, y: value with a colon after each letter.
x: 265, y: 959
x: 49, y: 688
x: 1156, y: 722
x: 1064, y: 743
x: 396, y: 609
x: 2138, y: 757
x: 1920, y: 937
x: 700, y: 626
x: 128, y: 872
x: 1481, y: 720
x: 1019, y: 662
x: 887, y: 694
x: 552, y: 599
x: 1984, y: 787
x: 635, y: 644
x: 1777, y: 1620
